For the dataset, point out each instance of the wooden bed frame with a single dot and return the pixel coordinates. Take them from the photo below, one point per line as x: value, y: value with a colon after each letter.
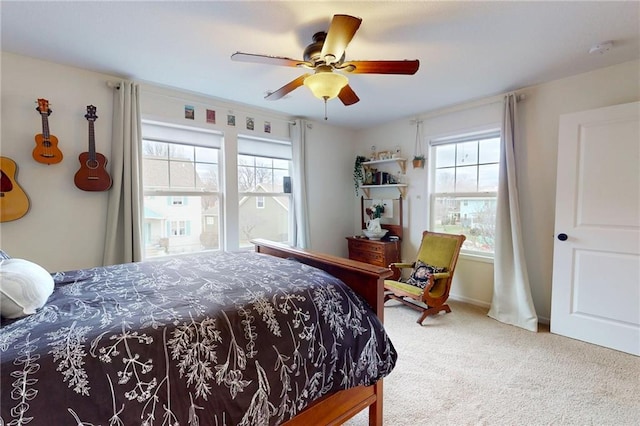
x: 366, y: 280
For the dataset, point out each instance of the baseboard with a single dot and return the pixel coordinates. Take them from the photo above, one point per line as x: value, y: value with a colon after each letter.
x: 483, y: 304
x: 470, y: 301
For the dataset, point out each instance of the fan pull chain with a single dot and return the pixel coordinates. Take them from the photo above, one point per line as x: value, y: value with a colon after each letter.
x: 325, y: 107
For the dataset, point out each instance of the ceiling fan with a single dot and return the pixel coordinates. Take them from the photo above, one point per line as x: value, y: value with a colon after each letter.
x: 326, y: 57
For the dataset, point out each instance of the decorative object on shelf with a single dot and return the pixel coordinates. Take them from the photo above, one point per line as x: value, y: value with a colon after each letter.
x: 384, y: 155
x: 375, y: 235
x: 418, y: 161
x: 374, y: 229
x: 418, y: 156
x: 397, y: 152
x: 368, y: 175
x: 379, y: 246
x: 358, y: 174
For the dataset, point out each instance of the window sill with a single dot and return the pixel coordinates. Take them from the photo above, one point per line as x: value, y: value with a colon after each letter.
x: 476, y: 258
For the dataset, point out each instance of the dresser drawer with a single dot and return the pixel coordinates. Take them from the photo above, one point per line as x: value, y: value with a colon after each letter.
x: 365, y: 246
x: 379, y: 253
x: 368, y: 257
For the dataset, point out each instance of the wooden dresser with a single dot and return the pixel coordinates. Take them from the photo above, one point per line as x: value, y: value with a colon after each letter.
x: 379, y: 253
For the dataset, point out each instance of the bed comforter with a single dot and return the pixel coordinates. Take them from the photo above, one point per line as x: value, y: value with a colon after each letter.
x: 210, y: 339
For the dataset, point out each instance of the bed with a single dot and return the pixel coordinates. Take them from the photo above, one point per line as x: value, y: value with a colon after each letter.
x: 266, y: 337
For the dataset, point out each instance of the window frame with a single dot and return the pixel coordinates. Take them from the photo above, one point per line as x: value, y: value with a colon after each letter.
x: 489, y: 133
x: 193, y: 138
x: 261, y: 150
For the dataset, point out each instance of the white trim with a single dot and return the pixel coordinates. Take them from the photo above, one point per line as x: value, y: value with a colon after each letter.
x: 476, y: 130
x: 466, y: 137
x: 180, y: 134
x: 476, y: 257
x: 470, y: 301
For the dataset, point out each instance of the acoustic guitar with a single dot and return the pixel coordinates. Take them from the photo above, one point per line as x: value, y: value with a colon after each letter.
x: 14, y: 202
x: 92, y: 175
x: 46, y: 150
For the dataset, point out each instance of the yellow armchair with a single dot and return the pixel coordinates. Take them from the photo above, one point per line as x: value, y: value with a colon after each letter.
x: 427, y: 289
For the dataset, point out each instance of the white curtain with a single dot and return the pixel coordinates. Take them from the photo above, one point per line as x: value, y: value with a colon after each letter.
x: 123, y: 242
x: 299, y: 184
x: 512, y: 302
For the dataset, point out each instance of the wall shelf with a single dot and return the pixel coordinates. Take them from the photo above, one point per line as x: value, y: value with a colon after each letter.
x: 402, y: 163
x: 402, y: 187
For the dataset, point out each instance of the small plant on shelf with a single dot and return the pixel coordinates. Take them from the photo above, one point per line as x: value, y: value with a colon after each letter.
x: 358, y: 174
x: 418, y: 161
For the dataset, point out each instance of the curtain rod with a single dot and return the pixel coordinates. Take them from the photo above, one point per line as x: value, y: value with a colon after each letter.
x: 466, y: 105
x: 116, y: 85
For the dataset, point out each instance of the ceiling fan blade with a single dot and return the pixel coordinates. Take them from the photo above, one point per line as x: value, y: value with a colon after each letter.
x: 287, y: 88
x: 348, y: 96
x: 381, y: 67
x: 269, y: 60
x: 341, y: 31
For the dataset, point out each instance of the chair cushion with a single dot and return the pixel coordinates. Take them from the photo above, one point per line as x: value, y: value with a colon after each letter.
x: 421, y: 273
x: 24, y: 287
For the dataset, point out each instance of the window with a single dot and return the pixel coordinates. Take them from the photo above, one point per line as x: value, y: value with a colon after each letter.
x: 180, y: 169
x: 465, y: 187
x: 265, y: 209
x: 179, y: 228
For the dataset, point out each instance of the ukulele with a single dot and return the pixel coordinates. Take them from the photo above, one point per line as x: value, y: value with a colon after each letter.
x: 46, y: 150
x: 14, y: 202
x: 92, y: 175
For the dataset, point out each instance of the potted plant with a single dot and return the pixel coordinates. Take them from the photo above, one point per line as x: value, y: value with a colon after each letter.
x: 418, y: 161
x: 358, y: 175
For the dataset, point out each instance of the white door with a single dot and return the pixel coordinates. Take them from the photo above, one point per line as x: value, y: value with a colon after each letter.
x: 596, y: 262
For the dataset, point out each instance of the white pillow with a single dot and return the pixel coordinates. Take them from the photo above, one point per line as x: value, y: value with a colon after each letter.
x: 24, y: 287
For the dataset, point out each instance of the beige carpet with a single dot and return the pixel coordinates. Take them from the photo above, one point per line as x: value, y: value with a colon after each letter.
x: 465, y: 368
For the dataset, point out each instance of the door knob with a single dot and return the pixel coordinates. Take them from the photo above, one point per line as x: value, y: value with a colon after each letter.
x: 562, y: 237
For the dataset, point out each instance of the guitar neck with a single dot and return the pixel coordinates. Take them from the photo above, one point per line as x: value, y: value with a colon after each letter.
x: 92, y: 141
x: 45, y: 125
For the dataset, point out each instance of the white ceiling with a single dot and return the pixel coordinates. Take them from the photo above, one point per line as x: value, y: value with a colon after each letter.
x: 467, y: 50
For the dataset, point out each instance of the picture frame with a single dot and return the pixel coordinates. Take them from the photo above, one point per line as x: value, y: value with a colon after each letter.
x: 211, y: 116
x: 189, y: 112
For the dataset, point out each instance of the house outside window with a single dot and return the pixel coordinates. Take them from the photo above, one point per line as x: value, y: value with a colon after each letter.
x: 180, y: 170
x: 464, y: 189
x: 264, y: 208
x: 179, y: 228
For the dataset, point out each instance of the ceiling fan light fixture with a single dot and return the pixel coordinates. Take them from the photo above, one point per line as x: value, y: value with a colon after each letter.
x: 326, y: 85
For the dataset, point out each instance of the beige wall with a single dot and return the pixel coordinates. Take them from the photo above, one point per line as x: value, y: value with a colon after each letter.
x: 536, y: 168
x: 65, y: 226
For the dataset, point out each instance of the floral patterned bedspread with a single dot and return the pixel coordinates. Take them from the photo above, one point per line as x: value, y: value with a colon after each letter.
x: 235, y: 338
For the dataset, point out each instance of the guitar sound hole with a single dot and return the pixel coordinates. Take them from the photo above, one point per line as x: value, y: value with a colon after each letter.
x: 92, y: 164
